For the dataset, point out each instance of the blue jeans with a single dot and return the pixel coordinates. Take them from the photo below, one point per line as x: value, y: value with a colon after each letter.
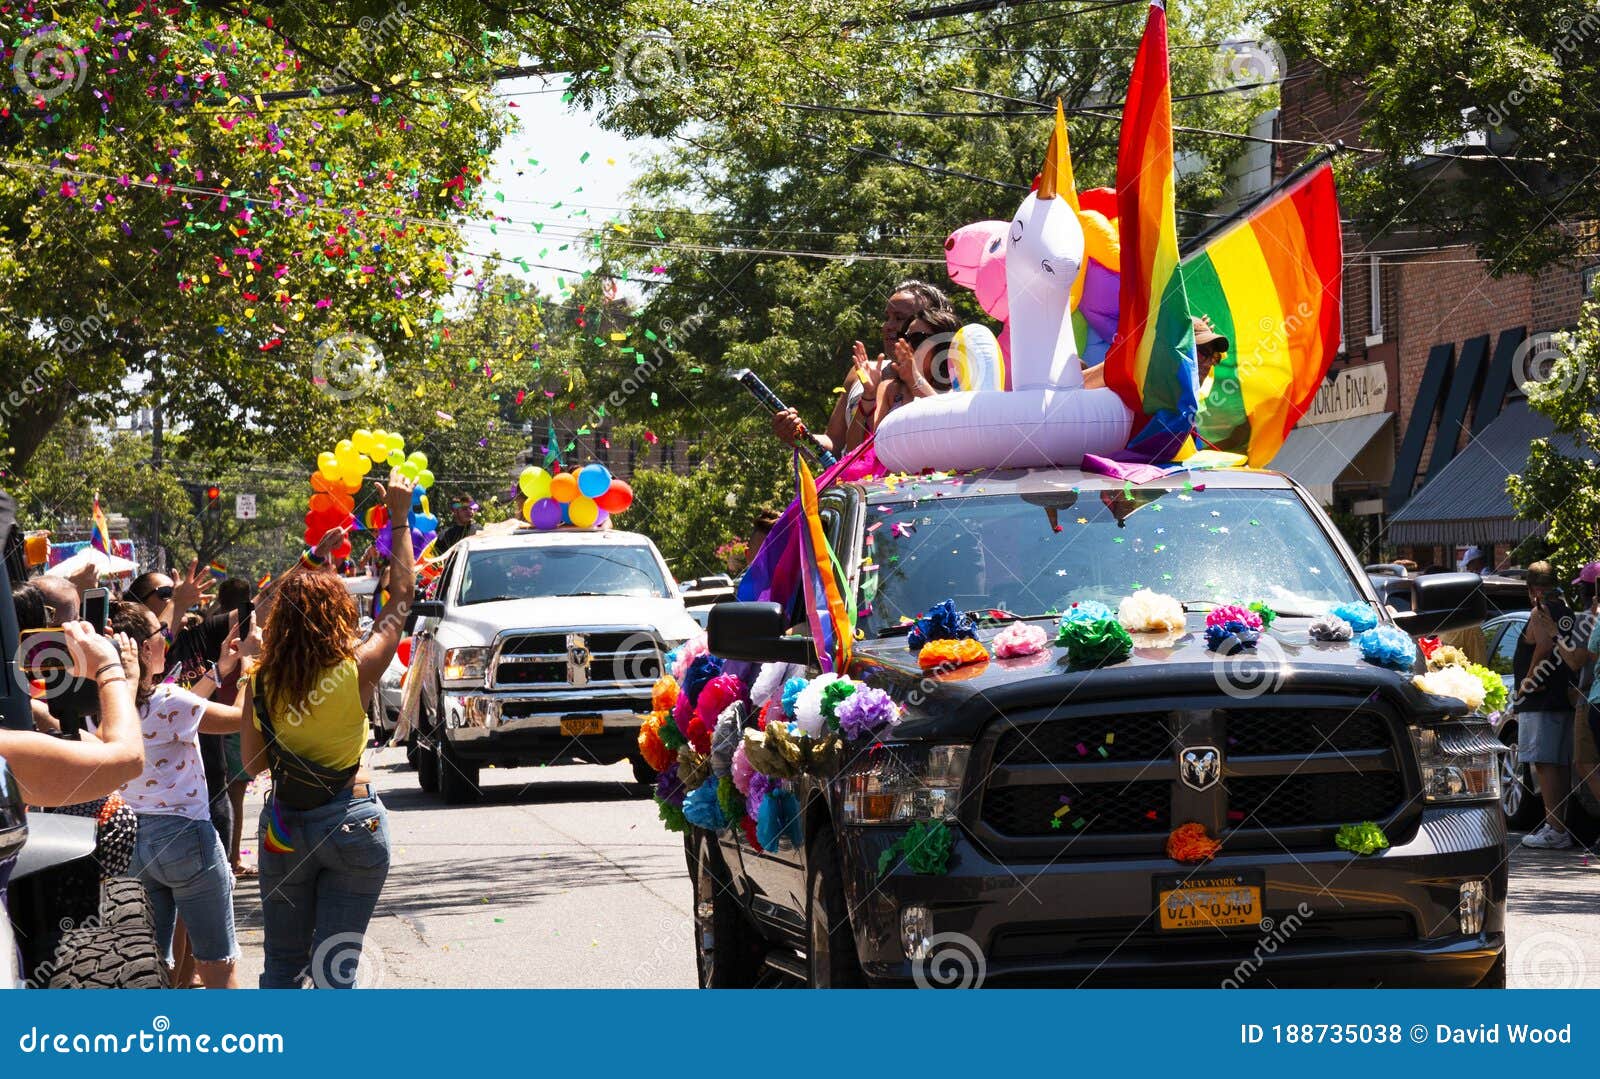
x: 317, y: 899
x: 185, y: 871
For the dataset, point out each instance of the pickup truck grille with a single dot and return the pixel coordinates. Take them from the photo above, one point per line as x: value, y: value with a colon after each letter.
x: 615, y: 657
x: 1090, y: 783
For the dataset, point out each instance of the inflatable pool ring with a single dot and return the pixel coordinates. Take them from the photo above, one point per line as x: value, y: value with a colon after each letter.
x: 1046, y: 417
x: 975, y: 360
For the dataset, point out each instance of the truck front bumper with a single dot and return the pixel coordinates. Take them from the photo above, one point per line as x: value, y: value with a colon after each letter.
x: 1331, y: 918
x: 507, y: 727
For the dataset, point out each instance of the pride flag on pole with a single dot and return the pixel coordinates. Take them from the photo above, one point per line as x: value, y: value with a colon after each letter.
x: 1271, y: 285
x: 1151, y: 362
x: 829, y: 606
x: 99, y: 528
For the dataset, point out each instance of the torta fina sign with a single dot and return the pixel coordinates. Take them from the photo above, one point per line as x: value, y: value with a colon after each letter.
x: 1354, y: 391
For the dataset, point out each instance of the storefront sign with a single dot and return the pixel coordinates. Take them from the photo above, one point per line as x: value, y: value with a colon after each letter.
x: 1355, y: 391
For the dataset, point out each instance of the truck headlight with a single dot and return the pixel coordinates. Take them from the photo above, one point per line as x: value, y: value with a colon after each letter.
x: 1459, y: 763
x: 465, y: 664
x: 905, y: 782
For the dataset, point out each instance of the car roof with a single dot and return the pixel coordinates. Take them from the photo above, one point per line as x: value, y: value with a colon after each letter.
x: 1027, y: 481
x: 574, y: 537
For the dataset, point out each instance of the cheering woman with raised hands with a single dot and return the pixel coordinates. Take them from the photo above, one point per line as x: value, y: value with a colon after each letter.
x: 324, y: 847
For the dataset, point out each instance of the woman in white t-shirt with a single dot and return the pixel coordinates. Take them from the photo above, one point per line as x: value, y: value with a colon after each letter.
x: 178, y: 856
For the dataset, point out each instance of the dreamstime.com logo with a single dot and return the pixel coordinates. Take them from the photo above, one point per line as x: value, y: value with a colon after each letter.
x: 649, y: 64
x: 159, y: 1039
x: 952, y: 961
x: 48, y: 65
x: 348, y: 959
x: 1548, y: 960
x: 1546, y: 360
x: 1247, y: 62
x: 1274, y: 934
x: 346, y: 365
x: 1247, y: 673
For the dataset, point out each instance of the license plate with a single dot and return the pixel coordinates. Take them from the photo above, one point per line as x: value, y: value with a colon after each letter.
x: 1205, y: 901
x: 573, y: 726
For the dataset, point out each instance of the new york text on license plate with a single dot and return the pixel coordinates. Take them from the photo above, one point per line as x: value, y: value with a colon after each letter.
x: 1204, y: 901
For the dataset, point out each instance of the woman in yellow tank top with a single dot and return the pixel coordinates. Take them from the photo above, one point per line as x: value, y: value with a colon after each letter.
x: 324, y: 834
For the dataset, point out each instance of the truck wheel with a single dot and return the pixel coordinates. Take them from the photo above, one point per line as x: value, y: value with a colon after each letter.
x: 728, y: 950
x: 832, y: 952
x: 642, y: 772
x: 117, y: 951
x: 427, y: 762
x: 458, y: 780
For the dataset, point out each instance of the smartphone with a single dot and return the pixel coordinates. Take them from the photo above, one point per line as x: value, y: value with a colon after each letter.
x: 97, y: 609
x: 247, y: 612
x: 42, y: 650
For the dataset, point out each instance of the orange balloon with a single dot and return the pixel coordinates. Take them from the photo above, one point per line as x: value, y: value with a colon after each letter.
x: 564, y: 488
x: 321, y: 502
x: 344, y: 502
x: 319, y: 482
x: 351, y: 486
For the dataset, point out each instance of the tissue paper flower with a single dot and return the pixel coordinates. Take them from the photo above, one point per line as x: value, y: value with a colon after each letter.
x: 1266, y: 613
x: 1229, y: 637
x: 668, y: 788
x: 1094, y: 642
x: 1445, y: 655
x: 1190, y: 843
x: 942, y: 623
x: 808, y: 705
x: 655, y: 754
x: 718, y: 693
x: 866, y: 713
x: 779, y: 818
x: 1085, y: 611
x: 664, y: 694
x: 1019, y: 639
x: 1361, y: 616
x: 1388, y: 647
x: 741, y: 771
x: 769, y: 682
x: 925, y: 848
x: 671, y: 733
x: 1363, y: 838
x: 834, y: 694
x: 1494, y: 689
x: 1232, y: 612
x: 730, y: 800
x: 701, y: 671
x: 725, y: 738
x: 702, y: 809
x: 1150, y: 612
x: 760, y: 784
x: 951, y: 653
x: 1330, y: 627
x: 687, y: 653
x: 1457, y: 682
x: 791, y: 693
x: 693, y: 768
x: 671, y: 816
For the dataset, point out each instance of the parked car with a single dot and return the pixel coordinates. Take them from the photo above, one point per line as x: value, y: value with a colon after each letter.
x: 1272, y: 764
x: 384, y: 711
x: 538, y: 648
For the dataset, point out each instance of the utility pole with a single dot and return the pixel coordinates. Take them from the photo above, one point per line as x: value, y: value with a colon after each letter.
x: 158, y: 383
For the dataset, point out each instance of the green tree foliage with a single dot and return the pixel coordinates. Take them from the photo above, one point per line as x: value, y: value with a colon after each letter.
x: 1438, y: 73
x: 1560, y: 488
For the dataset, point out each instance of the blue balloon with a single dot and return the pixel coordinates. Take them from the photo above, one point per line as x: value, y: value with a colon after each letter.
x: 594, y: 480
x: 417, y: 495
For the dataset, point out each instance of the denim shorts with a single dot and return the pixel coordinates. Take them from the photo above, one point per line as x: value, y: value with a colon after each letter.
x: 185, y: 871
x: 1544, y: 737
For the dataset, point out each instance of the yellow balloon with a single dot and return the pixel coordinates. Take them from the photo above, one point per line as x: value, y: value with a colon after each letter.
x: 363, y: 465
x: 583, y: 512
x: 362, y: 440
x: 535, y: 483
x: 425, y: 478
x: 396, y: 458
x: 419, y: 459
x: 344, y: 448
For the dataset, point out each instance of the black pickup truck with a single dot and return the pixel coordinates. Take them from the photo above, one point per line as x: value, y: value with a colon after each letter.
x: 1271, y: 750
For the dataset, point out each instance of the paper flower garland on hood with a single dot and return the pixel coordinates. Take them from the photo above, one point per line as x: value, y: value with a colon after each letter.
x: 942, y: 623
x: 1361, y: 616
x: 925, y: 848
x: 866, y: 713
x: 1190, y: 843
x: 1388, y: 647
x: 1491, y: 693
x: 703, y: 809
x: 1363, y: 838
x: 1020, y: 639
x: 808, y: 705
x: 1457, y: 682
x: 1150, y: 612
x: 946, y: 655
x: 1330, y: 627
x: 1092, y: 636
x: 1230, y: 626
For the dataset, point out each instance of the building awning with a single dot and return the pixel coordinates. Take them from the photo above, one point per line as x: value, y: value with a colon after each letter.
x: 1320, y: 455
x: 1467, y: 501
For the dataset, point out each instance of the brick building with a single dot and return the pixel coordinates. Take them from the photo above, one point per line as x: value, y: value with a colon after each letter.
x: 1429, y: 379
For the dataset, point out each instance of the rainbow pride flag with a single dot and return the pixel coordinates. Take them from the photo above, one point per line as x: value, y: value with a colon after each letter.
x: 99, y: 528
x: 829, y: 606
x: 1271, y: 285
x: 1151, y: 362
x: 275, y: 836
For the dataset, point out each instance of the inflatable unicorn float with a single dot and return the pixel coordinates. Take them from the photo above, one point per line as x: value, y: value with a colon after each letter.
x: 1020, y: 402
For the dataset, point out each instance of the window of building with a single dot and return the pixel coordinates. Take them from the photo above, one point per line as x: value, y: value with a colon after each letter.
x: 1374, y: 300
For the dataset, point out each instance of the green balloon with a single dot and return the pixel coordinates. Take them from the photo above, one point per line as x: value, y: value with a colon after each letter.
x: 396, y: 458
x: 424, y: 478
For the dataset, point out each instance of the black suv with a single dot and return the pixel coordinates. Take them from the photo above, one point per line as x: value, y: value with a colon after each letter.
x: 1271, y: 750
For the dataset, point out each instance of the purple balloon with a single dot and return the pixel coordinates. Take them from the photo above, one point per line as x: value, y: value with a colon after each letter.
x: 382, y: 540
x: 545, y: 514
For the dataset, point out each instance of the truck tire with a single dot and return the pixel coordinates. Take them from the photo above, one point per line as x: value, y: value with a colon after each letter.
x: 729, y: 953
x: 117, y: 951
x: 642, y: 772
x: 427, y: 762
x: 831, y: 956
x: 458, y: 780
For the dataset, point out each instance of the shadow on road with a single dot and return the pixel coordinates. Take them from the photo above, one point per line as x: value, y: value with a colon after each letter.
x: 413, y: 799
x: 1565, y: 884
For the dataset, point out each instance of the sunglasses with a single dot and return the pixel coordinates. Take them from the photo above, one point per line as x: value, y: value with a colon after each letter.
x: 916, y: 338
x: 165, y: 592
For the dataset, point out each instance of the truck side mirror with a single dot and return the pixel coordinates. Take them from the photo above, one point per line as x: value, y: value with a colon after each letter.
x: 755, y: 632
x: 1441, y: 602
x: 423, y: 608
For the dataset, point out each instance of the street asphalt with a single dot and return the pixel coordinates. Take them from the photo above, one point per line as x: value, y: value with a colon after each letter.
x: 562, y: 877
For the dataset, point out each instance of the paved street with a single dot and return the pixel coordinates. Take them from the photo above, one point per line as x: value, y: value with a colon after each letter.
x: 563, y: 877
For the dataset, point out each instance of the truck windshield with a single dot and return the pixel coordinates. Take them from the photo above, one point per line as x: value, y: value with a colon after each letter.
x: 536, y: 572
x: 1036, y: 554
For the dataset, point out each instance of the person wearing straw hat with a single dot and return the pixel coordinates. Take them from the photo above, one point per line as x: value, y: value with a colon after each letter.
x: 1209, y: 348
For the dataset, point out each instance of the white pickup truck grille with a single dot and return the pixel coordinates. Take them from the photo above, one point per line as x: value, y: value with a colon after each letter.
x: 607, y: 657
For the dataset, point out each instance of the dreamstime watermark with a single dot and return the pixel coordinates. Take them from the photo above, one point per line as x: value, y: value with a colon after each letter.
x: 48, y: 65
x: 950, y: 961
x: 348, y: 959
x: 1547, y: 360
x: 1548, y: 960
x: 1247, y: 62
x: 1575, y: 33
x: 1274, y: 934
x: 374, y: 33
x: 649, y: 64
x: 1247, y: 673
x: 346, y: 365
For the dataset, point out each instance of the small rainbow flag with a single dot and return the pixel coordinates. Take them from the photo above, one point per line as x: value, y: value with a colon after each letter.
x: 99, y: 528
x: 218, y: 571
x: 275, y: 837
x: 1151, y: 362
x: 1271, y: 285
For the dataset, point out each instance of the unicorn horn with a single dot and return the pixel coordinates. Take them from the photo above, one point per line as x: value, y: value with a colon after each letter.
x: 1057, y: 175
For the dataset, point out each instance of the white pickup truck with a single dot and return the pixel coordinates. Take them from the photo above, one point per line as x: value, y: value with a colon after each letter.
x: 538, y: 648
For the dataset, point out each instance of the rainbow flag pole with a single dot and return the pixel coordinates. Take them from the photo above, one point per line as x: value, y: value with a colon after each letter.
x: 1151, y: 361
x: 99, y: 528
